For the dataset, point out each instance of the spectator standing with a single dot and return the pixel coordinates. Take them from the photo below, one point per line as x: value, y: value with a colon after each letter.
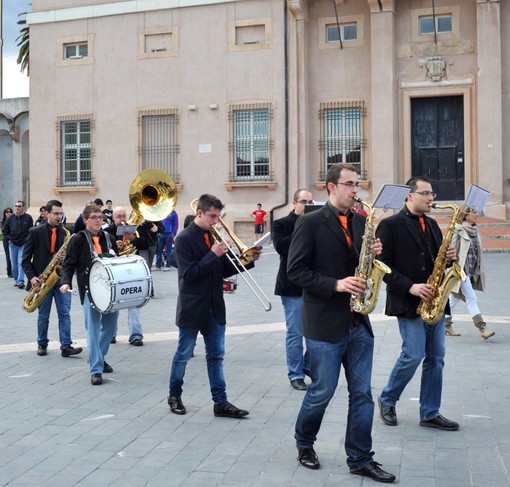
x: 7, y: 213
x: 291, y: 294
x: 16, y: 229
x: 43, y: 216
x: 108, y: 212
x: 260, y: 216
x: 166, y: 239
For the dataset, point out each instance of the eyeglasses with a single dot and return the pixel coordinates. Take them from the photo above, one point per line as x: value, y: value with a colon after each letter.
x: 95, y: 217
x: 305, y: 202
x: 349, y: 184
x: 18, y: 206
x: 426, y: 193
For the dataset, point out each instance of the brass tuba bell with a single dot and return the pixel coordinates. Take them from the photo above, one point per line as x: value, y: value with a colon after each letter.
x: 153, y: 196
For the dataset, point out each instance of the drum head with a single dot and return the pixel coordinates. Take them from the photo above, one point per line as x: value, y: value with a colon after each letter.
x: 100, y: 290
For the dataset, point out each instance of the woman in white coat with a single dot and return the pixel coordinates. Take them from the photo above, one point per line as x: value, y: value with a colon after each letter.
x: 469, y: 256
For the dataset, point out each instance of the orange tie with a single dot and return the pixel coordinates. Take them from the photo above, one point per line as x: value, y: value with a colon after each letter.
x: 207, y: 239
x: 97, y: 247
x: 343, y: 222
x: 53, y: 241
x: 422, y: 223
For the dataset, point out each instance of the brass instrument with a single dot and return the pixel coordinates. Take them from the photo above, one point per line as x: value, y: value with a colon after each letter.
x: 244, y: 258
x: 153, y: 196
x: 48, y: 278
x: 432, y: 311
x: 369, y: 268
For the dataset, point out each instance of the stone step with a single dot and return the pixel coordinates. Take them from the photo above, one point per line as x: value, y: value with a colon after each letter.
x: 495, y: 233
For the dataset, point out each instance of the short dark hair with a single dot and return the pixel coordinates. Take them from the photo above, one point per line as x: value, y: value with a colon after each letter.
x: 188, y: 220
x: 333, y: 174
x: 413, y: 182
x: 22, y: 203
x: 108, y: 201
x: 98, y: 202
x: 208, y: 201
x: 89, y: 209
x: 49, y: 206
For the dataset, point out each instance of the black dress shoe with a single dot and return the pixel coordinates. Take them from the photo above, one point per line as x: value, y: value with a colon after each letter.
x: 388, y: 413
x: 21, y: 286
x: 176, y: 405
x: 113, y: 340
x: 41, y: 350
x: 299, y: 384
x: 96, y: 379
x: 308, y: 458
x: 68, y: 351
x: 137, y: 342
x: 441, y: 423
x: 107, y: 368
x: 376, y: 473
x: 227, y: 410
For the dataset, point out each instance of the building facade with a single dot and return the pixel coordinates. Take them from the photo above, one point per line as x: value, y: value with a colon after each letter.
x: 250, y: 100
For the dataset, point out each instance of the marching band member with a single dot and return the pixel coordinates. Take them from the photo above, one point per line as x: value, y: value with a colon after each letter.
x: 84, y: 247
x: 202, y: 264
x: 323, y: 256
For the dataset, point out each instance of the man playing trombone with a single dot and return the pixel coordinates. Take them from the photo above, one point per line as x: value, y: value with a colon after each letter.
x: 202, y: 264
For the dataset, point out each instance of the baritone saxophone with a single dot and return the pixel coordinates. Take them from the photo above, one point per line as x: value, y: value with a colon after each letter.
x: 369, y: 268
x: 48, y: 278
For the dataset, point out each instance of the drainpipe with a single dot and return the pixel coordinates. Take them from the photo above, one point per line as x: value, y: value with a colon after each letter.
x: 286, y: 77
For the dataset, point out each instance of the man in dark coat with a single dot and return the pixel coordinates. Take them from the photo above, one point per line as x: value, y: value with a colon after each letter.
x: 43, y: 243
x: 323, y: 256
x: 202, y: 264
x: 411, y: 243
x: 291, y: 295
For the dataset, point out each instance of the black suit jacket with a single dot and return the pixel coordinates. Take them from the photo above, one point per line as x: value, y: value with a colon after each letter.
x: 281, y: 233
x: 319, y: 256
x: 200, y: 279
x: 409, y: 255
x: 36, y: 254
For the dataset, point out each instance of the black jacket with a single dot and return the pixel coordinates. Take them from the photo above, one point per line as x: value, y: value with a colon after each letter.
x: 410, y: 255
x: 200, y: 279
x: 281, y: 233
x: 319, y: 255
x: 79, y: 259
x: 16, y: 228
x: 36, y: 253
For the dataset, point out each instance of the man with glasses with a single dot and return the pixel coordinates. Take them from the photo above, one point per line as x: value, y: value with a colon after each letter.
x: 411, y: 242
x: 290, y: 293
x: 42, y: 244
x: 16, y: 229
x: 84, y: 246
x: 323, y: 255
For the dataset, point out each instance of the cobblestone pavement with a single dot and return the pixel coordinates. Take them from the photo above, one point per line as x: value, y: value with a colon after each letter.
x: 58, y: 430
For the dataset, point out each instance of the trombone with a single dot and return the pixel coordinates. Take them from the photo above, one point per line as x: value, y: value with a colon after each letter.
x: 244, y: 258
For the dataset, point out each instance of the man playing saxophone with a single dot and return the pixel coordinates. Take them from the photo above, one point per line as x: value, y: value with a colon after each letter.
x: 43, y: 243
x: 411, y: 244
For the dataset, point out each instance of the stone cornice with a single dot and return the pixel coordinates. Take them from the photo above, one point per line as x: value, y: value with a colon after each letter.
x: 298, y: 8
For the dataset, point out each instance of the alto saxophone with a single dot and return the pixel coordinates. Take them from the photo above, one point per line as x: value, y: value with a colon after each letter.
x: 432, y: 311
x: 369, y: 268
x: 48, y: 278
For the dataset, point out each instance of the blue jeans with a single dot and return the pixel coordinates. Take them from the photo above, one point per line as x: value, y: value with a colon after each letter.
x: 354, y: 351
x: 16, y: 254
x: 100, y: 331
x: 164, y: 240
x: 63, y: 304
x: 214, y: 340
x: 294, y: 337
x: 135, y: 325
x: 419, y: 342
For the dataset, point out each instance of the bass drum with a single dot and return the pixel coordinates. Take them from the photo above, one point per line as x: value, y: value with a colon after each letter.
x: 119, y: 282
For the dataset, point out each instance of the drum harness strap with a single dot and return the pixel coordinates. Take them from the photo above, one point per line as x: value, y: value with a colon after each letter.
x: 93, y: 252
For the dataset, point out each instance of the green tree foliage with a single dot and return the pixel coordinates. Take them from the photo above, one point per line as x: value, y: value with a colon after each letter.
x: 24, y: 45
